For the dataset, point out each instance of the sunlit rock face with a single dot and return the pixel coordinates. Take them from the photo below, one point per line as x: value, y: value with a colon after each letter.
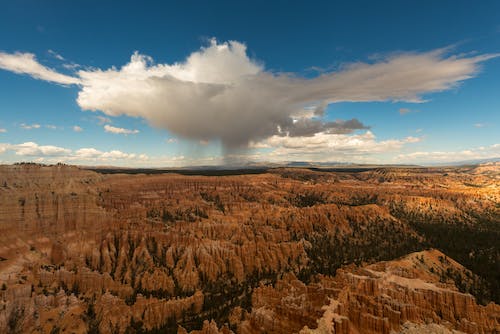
x: 285, y: 251
x: 385, y: 297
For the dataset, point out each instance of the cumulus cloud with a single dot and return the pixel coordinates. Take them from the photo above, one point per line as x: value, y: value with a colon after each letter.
x: 220, y: 93
x: 327, y: 146
x: 26, y: 63
x: 115, y: 130
x: 94, y: 154
x: 30, y: 126
x: 56, y: 153
x: 33, y: 149
x: 2, y: 130
x: 483, y: 152
x: 77, y: 128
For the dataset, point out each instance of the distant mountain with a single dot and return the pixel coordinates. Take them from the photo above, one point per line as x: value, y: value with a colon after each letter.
x: 465, y: 162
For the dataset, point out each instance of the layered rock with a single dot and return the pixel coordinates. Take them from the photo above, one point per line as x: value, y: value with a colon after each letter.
x: 81, y: 251
x: 379, y: 298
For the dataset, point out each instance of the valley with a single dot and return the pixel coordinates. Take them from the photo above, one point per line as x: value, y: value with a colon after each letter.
x: 280, y: 250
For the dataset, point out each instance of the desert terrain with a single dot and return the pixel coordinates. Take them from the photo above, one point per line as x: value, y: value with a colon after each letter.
x: 280, y: 250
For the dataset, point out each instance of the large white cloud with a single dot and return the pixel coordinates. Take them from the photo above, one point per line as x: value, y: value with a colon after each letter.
x: 219, y: 93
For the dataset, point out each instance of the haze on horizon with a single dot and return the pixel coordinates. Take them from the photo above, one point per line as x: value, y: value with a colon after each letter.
x: 98, y: 83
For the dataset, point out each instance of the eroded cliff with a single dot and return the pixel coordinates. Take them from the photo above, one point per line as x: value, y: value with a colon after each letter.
x: 86, y: 252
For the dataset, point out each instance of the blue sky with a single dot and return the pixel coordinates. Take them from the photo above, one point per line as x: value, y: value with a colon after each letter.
x: 221, y: 82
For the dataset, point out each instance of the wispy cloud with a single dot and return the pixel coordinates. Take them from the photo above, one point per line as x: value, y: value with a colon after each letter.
x: 30, y: 126
x: 123, y: 131
x: 55, y: 55
x: 103, y: 120
x: 404, y: 111
x: 2, y: 130
x: 77, y: 128
x: 26, y: 63
x: 71, y: 66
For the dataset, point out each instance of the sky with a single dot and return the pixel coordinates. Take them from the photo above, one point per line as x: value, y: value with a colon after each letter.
x: 189, y: 83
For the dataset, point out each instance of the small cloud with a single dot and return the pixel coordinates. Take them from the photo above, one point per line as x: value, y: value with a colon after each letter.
x: 419, y: 130
x: 71, y: 66
x: 55, y: 55
x: 411, y: 139
x: 2, y: 130
x: 103, y: 120
x: 404, y: 111
x: 480, y: 125
x: 77, y: 128
x: 204, y: 142
x: 50, y: 126
x: 90, y: 153
x: 115, y: 130
x: 30, y: 126
x: 171, y: 140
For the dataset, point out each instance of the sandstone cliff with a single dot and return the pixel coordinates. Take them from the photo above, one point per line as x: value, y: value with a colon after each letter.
x: 86, y: 252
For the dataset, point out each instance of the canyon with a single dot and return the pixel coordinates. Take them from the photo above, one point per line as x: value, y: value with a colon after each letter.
x: 279, y: 250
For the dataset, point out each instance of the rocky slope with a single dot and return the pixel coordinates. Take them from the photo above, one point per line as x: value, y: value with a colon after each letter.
x: 280, y: 252
x: 384, y: 297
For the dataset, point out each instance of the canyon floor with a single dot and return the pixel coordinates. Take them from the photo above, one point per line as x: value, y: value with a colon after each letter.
x: 282, y: 250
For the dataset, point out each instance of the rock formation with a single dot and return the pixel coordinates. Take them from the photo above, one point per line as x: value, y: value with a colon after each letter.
x: 286, y: 251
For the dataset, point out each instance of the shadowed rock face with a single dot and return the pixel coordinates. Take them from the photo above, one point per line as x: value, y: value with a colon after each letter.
x: 283, y: 252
